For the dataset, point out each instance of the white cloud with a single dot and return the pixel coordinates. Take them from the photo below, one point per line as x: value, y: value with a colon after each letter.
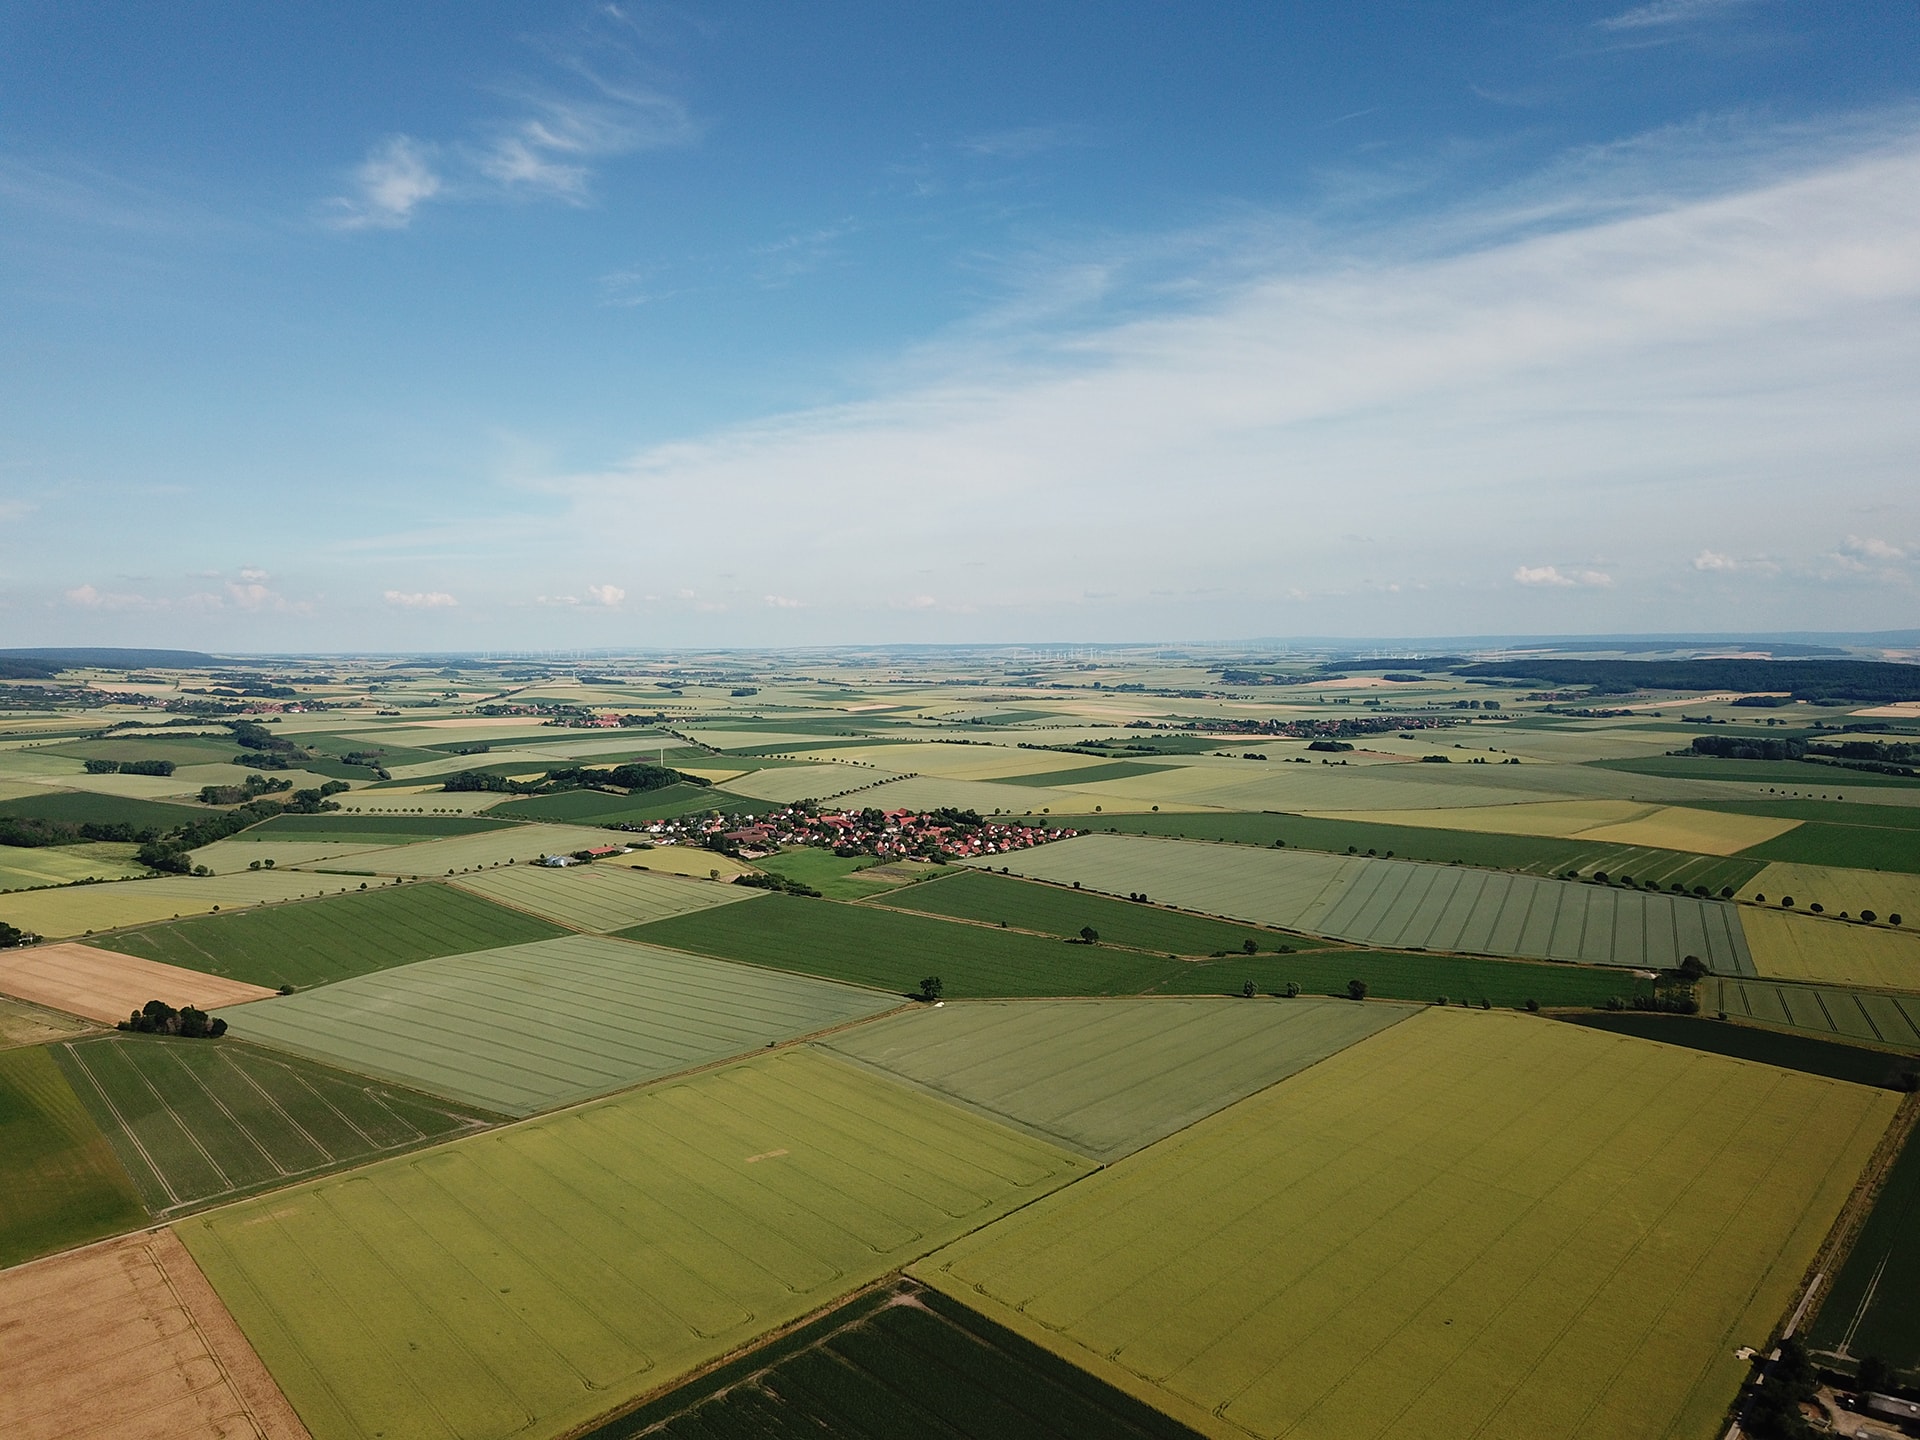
x: 89, y: 597
x: 389, y: 185
x: 783, y: 602
x: 1658, y: 14
x: 1872, y: 548
x: 1711, y: 560
x: 549, y: 152
x: 421, y: 599
x: 608, y: 595
x: 1541, y: 575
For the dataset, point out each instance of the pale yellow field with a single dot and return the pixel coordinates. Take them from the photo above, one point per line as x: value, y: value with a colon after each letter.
x: 427, y: 797
x: 1800, y: 947
x: 927, y: 793
x: 1884, y: 893
x: 804, y: 782
x: 1706, y: 832
x: 963, y: 762
x: 81, y: 909
x: 21, y: 869
x: 228, y: 857
x: 1549, y: 818
x: 518, y: 843
x: 681, y: 860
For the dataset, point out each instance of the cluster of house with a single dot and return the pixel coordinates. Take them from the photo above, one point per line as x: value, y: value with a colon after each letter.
x: 889, y: 834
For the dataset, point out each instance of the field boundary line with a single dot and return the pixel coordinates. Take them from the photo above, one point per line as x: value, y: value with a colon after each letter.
x: 125, y: 1128
x: 173, y: 1058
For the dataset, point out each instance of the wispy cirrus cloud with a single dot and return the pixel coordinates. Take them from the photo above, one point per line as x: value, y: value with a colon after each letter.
x: 1660, y: 14
x: 395, y: 179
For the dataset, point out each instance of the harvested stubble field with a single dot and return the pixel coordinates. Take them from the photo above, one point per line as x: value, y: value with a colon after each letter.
x: 319, y: 941
x: 1468, y: 1224
x: 195, y: 1122
x: 1056, y: 910
x: 91, y: 909
x: 1529, y: 854
x: 1878, y: 1019
x: 902, y: 1360
x: 1106, y: 1077
x: 1839, y: 890
x: 517, y: 843
x: 128, y: 1340
x: 1402, y: 904
x: 106, y: 985
x: 1834, y: 952
x: 527, y: 1280
x: 600, y: 897
x: 63, y: 1185
x: 535, y: 1026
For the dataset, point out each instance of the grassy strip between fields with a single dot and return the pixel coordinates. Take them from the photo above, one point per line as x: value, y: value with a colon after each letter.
x: 1808, y: 1054
x: 893, y: 950
x: 897, y: 1360
x: 319, y: 941
x: 382, y: 828
x: 60, y: 1183
x: 1529, y: 854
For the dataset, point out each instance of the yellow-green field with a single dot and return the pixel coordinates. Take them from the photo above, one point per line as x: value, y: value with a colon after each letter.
x: 22, y: 869
x: 1884, y: 892
x: 1470, y: 1224
x: 78, y: 909
x: 521, y: 1282
x: 602, y: 896
x: 1801, y: 947
x: 784, y: 785
x: 1555, y: 819
x: 1705, y: 832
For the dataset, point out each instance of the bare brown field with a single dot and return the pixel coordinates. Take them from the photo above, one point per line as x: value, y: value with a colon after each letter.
x: 106, y: 985
x: 128, y: 1339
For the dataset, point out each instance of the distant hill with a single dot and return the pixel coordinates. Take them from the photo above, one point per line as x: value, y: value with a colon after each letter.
x: 1874, y: 681
x: 48, y: 660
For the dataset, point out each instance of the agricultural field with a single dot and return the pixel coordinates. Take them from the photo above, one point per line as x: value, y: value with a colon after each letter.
x: 195, y: 1122
x: 340, y: 827
x: 62, y: 1185
x: 231, y: 857
x: 94, y: 909
x: 1798, y: 777
x: 1809, y: 1054
x: 597, y: 807
x: 1397, y: 975
x: 316, y: 942
x: 24, y: 1024
x: 1838, y: 891
x: 106, y: 985
x: 599, y: 897
x: 1872, y: 1017
x: 28, y: 869
x: 1402, y: 905
x: 530, y: 1027
x: 1106, y: 1077
x: 1057, y: 910
x: 514, y: 844
x: 1833, y: 952
x: 838, y: 877
x: 693, y: 860
x: 131, y: 1337
x: 784, y: 785
x: 898, y: 1360
x: 1493, y: 1225
x: 892, y: 950
x: 81, y: 808
x: 531, y: 1279
x: 1870, y: 1309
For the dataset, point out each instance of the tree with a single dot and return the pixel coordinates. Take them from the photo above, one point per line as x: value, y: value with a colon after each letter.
x: 1088, y: 934
x: 1247, y: 989
x: 1293, y: 989
x: 931, y: 988
x: 1693, y: 968
x: 1356, y: 989
x: 1248, y: 945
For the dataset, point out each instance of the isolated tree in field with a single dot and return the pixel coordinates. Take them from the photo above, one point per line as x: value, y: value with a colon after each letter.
x: 1356, y: 989
x: 1293, y: 990
x: 1693, y: 967
x: 930, y: 988
x: 1247, y: 989
x: 1248, y: 945
x: 1088, y: 934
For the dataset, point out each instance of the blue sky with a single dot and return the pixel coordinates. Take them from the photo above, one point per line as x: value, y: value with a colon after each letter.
x: 495, y: 325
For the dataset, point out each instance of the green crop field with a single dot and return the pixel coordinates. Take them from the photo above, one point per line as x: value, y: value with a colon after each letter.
x: 509, y: 845
x: 1057, y: 910
x: 597, y: 807
x: 1468, y: 1224
x: 196, y: 1122
x: 1875, y: 1017
x: 892, y: 950
x: 897, y: 1361
x: 835, y: 876
x: 1801, y: 776
x: 1806, y: 1053
x: 1835, y: 812
x: 1106, y: 1077
x: 1856, y: 847
x: 1403, y: 905
x: 1085, y: 774
x: 1529, y: 854
x: 82, y: 807
x: 527, y: 1028
x: 372, y: 829
x: 320, y: 941
x: 24, y: 868
x: 528, y: 1280
x: 1870, y: 1309
x: 60, y: 1184
x: 600, y: 897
